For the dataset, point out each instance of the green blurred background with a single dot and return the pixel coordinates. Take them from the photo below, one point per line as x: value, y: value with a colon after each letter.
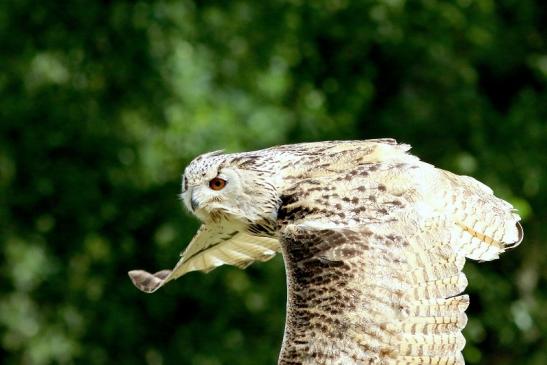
x: 103, y: 103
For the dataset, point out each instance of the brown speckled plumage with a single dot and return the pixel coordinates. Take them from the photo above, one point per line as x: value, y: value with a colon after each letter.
x: 374, y: 242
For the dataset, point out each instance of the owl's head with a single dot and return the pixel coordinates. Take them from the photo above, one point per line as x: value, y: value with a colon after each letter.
x: 216, y: 185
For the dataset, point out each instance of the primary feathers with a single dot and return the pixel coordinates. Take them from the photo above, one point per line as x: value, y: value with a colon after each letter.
x: 373, y: 240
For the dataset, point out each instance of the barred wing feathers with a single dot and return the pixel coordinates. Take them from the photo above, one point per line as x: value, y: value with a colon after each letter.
x: 384, y: 285
x: 212, y: 246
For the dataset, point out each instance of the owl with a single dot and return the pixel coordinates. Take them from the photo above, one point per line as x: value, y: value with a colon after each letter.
x: 373, y: 240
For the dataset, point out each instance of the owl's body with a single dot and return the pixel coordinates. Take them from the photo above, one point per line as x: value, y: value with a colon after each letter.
x: 373, y: 240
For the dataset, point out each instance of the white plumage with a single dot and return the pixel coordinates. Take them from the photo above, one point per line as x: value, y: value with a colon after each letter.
x: 373, y: 239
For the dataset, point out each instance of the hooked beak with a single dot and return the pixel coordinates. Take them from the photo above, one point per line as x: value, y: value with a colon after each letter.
x: 191, y: 203
x: 194, y: 203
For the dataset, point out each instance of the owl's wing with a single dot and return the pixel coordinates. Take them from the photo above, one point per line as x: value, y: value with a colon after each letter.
x: 374, y: 295
x: 212, y: 246
x: 380, y: 281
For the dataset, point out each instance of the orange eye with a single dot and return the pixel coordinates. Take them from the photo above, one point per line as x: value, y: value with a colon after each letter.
x: 217, y: 183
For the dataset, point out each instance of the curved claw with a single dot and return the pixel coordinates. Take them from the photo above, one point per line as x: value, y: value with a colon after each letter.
x: 520, y: 236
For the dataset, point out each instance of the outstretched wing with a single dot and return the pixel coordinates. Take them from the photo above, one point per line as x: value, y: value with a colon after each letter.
x: 374, y: 263
x: 362, y: 296
x: 212, y: 246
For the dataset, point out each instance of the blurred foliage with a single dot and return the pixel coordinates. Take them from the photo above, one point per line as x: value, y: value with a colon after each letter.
x: 104, y: 103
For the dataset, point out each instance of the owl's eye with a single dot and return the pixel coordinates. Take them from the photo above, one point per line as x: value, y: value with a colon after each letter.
x: 217, y: 183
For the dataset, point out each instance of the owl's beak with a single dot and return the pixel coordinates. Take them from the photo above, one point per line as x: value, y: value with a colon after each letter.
x: 194, y: 203
x: 189, y: 200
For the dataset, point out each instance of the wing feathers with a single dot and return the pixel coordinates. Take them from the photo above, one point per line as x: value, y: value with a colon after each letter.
x: 408, y: 228
x: 213, y: 246
x: 481, y: 225
x: 439, y: 306
x: 401, y: 295
x: 454, y: 359
x: 435, y: 313
x: 441, y: 288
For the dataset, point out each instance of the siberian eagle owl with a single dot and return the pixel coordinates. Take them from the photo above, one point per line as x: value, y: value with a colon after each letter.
x: 373, y: 239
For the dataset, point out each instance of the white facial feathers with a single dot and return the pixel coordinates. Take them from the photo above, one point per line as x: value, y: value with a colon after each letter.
x: 221, y: 188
